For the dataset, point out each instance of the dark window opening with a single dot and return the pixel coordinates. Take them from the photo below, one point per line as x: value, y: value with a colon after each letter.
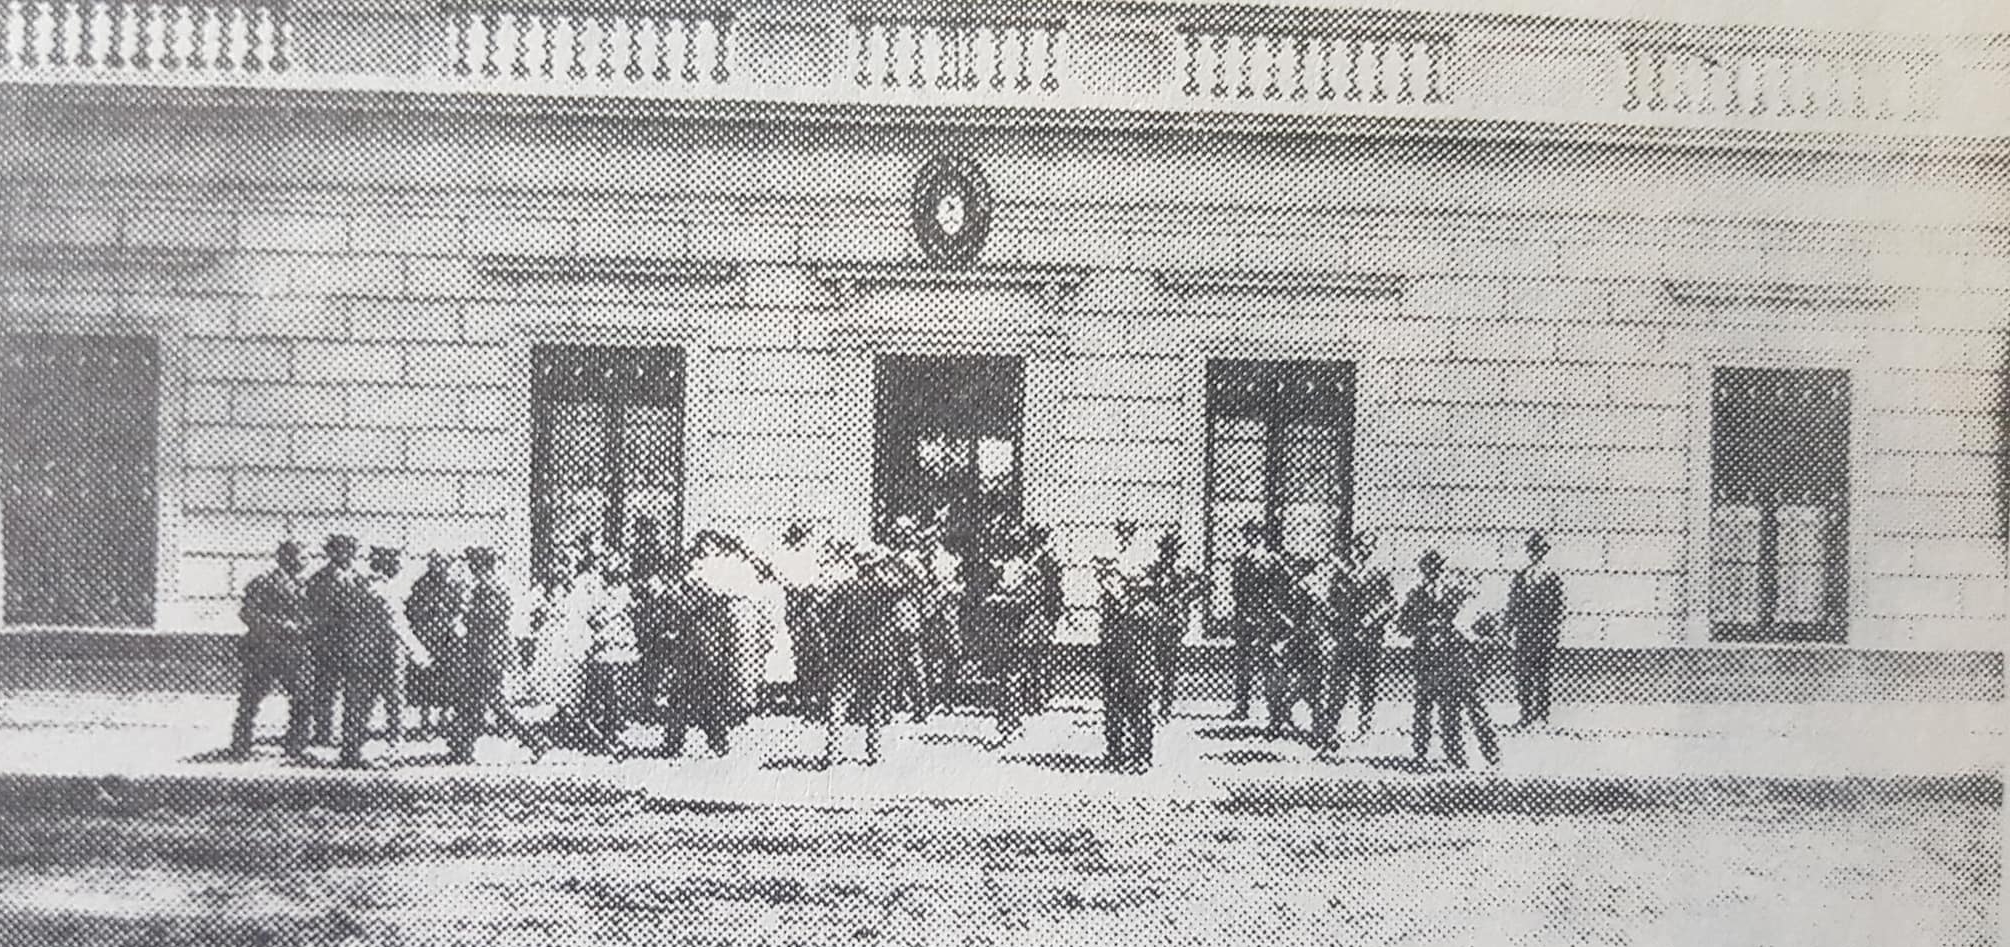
x: 607, y: 446
x: 1280, y: 451
x: 81, y: 513
x: 948, y: 443
x: 1779, y: 510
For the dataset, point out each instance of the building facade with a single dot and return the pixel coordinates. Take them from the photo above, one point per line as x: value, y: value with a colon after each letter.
x: 1721, y: 309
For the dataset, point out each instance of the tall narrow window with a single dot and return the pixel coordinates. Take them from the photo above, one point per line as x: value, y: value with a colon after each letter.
x: 1779, y: 519
x: 948, y: 441
x: 81, y: 428
x: 607, y: 445
x: 1280, y: 451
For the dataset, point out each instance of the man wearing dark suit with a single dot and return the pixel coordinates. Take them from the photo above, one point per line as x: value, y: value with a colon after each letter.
x: 274, y: 651
x: 1256, y: 583
x: 328, y: 618
x: 479, y: 664
x: 1427, y: 620
x: 1535, y: 619
x: 1363, y: 600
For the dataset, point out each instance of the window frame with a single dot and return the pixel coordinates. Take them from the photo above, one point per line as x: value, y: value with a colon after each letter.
x: 1275, y: 420
x: 887, y: 365
x: 1840, y: 542
x: 613, y: 530
x: 162, y: 598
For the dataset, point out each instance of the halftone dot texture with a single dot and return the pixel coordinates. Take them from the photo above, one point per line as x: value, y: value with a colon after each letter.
x: 1717, y: 310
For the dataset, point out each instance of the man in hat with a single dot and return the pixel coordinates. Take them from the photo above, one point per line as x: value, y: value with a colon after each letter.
x: 796, y: 566
x: 273, y: 651
x: 482, y: 661
x: 1364, y: 600
x: 1535, y: 618
x: 380, y: 644
x: 1130, y: 614
x: 1257, y: 582
x: 434, y: 612
x: 1428, y: 617
x: 1176, y: 589
x: 330, y: 600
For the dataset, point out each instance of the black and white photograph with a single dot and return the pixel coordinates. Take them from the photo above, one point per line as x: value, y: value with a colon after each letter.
x: 903, y: 473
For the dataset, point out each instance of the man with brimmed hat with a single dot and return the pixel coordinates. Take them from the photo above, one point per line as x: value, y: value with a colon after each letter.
x: 1428, y: 619
x: 1534, y: 617
x: 1363, y: 600
x: 273, y: 651
x: 1257, y: 582
x: 379, y: 645
x: 482, y: 661
x: 330, y: 597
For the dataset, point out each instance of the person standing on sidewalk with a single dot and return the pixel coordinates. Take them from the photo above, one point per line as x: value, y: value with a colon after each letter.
x: 434, y: 613
x: 273, y: 651
x: 329, y: 605
x: 1129, y: 615
x: 1177, y: 589
x: 1363, y: 600
x: 380, y: 645
x: 1427, y: 620
x: 481, y: 663
x: 1256, y: 581
x: 1535, y: 619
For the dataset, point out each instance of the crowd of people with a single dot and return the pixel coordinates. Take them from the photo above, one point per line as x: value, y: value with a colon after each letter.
x: 850, y: 633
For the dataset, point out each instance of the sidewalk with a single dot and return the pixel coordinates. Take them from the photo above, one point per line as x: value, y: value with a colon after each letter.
x: 49, y: 738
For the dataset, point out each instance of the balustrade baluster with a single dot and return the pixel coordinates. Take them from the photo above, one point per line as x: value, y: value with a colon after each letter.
x: 633, y: 71
x: 1788, y: 66
x: 1243, y: 89
x: 721, y: 27
x: 6, y: 33
x: 491, y: 25
x: 1354, y: 50
x: 87, y: 33
x: 970, y: 56
x: 1299, y: 47
x: 143, y: 36
x: 1271, y: 90
x: 943, y: 67
x: 59, y: 27
x: 519, y: 61
x: 1380, y: 92
x: 1656, y: 78
x: 863, y: 31
x: 198, y: 37
x: 576, y: 69
x: 998, y: 58
x: 1326, y: 68
x: 1434, y: 52
x: 690, y: 71
x: 261, y: 37
x: 1220, y: 87
x: 1025, y: 80
x: 919, y: 78
x: 604, y: 22
x: 1052, y: 80
x: 547, y: 41
x: 282, y: 39
x: 1404, y: 92
x: 460, y: 22
x: 1632, y: 79
x: 891, y: 77
x: 1860, y: 80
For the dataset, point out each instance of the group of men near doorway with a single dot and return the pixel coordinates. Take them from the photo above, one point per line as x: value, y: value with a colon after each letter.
x: 870, y: 629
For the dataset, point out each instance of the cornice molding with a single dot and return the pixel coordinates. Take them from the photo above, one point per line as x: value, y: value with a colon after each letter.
x: 1053, y: 285
x: 1279, y: 281
x: 635, y: 269
x: 1708, y: 292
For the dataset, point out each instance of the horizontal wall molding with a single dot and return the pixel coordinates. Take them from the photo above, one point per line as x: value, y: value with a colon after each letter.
x: 1186, y: 282
x: 566, y: 267
x: 1705, y: 292
x: 1052, y: 284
